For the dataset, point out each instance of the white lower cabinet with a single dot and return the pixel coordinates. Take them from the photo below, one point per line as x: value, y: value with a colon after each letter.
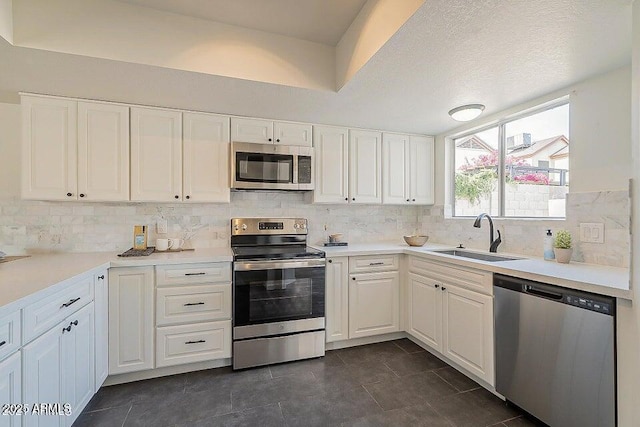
x: 454, y: 319
x: 101, y: 305
x: 59, y: 369
x: 374, y: 304
x: 177, y: 345
x: 131, y: 319
x: 337, y: 299
x: 468, y: 330
x: 11, y: 387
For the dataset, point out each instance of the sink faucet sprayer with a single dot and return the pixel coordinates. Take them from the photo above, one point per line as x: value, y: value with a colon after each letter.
x: 493, y: 244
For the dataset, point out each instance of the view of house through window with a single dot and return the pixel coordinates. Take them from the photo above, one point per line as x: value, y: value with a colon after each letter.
x: 535, y: 149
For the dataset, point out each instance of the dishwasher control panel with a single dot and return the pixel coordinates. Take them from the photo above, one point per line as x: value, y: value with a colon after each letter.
x: 589, y: 304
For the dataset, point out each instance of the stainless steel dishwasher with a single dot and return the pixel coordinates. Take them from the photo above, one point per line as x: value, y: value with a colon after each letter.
x: 555, y: 352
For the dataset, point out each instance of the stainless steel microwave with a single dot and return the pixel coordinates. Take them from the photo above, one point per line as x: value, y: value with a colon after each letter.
x: 271, y: 167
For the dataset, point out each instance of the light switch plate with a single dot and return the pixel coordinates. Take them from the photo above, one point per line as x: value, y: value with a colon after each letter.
x: 161, y: 226
x: 592, y: 232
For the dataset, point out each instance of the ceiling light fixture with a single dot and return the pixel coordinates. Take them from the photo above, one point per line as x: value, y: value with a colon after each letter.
x: 466, y: 113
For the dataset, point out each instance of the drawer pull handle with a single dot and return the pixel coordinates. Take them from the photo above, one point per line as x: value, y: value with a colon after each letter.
x: 195, y: 274
x: 72, y: 301
x: 2, y: 343
x: 195, y: 342
x: 193, y: 303
x: 376, y: 263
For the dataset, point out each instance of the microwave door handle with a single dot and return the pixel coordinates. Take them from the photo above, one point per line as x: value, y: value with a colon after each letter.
x: 295, y: 168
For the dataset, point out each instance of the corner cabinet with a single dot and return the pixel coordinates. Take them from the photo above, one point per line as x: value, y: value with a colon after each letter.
x: 131, y: 319
x: 74, y: 150
x: 156, y: 155
x: 337, y: 299
x: 331, y: 153
x: 407, y: 169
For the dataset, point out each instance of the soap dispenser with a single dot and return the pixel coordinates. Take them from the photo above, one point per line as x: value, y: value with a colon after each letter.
x: 548, y: 247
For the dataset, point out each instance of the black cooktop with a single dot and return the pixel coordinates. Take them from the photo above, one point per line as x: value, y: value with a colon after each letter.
x: 276, y: 252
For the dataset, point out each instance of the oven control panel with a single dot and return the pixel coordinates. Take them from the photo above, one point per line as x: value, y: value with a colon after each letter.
x: 256, y: 226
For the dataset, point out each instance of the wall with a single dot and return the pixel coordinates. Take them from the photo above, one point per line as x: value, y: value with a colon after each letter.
x: 6, y: 20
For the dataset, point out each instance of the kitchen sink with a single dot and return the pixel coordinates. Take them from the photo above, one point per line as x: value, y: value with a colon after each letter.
x: 475, y: 255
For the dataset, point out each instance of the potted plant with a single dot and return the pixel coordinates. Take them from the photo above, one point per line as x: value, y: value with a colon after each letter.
x: 562, y: 246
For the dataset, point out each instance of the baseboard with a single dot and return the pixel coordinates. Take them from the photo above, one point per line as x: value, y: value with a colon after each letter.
x: 163, y: 372
x: 336, y: 345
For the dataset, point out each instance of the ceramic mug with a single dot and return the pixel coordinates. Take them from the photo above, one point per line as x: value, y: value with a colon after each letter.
x: 162, y: 245
x: 175, y: 244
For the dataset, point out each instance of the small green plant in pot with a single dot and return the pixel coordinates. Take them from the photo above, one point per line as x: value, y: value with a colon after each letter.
x: 562, y: 246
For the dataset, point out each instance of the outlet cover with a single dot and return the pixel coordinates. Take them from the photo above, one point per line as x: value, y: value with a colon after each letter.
x: 162, y: 226
x: 592, y: 232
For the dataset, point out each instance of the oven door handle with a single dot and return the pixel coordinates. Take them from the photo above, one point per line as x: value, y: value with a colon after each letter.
x: 277, y: 265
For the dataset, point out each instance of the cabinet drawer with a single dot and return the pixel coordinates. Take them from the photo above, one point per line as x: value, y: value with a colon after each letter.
x: 183, y: 304
x: 9, y: 334
x: 184, y: 274
x: 475, y: 280
x: 176, y: 345
x: 46, y: 313
x: 373, y: 263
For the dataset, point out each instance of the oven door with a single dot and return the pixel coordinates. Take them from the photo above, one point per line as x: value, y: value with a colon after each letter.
x: 289, y: 293
x: 263, y: 166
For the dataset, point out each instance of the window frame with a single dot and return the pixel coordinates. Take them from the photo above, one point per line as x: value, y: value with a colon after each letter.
x: 501, y: 125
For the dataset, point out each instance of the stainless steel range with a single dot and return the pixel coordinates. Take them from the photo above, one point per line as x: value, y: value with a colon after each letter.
x: 278, y: 292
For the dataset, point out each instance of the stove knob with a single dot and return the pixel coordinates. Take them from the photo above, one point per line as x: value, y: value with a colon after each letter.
x: 236, y: 227
x: 244, y: 227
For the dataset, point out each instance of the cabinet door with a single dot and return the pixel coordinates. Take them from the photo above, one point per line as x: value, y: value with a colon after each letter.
x: 131, y: 325
x: 395, y: 172
x: 468, y: 330
x: 365, y: 175
x: 206, y: 158
x: 156, y: 155
x: 337, y: 299
x: 292, y: 134
x: 49, y: 151
x: 101, y: 307
x: 331, y: 152
x: 78, y: 361
x: 421, y: 170
x: 43, y: 375
x: 103, y: 152
x: 374, y: 304
x: 11, y: 387
x: 257, y: 131
x: 425, y: 310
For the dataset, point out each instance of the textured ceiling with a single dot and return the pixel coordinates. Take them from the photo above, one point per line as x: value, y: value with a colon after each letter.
x: 451, y: 52
x: 320, y: 21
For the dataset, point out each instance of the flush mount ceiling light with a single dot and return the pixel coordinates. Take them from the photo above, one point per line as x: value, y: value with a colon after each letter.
x: 466, y: 113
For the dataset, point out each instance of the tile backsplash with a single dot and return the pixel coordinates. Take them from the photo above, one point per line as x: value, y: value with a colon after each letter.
x: 31, y: 227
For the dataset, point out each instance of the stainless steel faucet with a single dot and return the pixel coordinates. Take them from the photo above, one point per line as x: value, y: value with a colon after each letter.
x: 493, y: 244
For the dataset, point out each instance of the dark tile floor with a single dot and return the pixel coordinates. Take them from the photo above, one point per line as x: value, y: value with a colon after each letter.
x: 394, y: 383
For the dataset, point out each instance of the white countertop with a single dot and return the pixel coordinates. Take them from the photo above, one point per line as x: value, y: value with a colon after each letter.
x: 24, y: 277
x: 611, y: 281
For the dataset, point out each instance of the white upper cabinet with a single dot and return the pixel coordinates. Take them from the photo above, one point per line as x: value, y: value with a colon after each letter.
x: 407, y: 169
x: 260, y: 131
x: 285, y: 133
x: 395, y: 169
x: 206, y: 158
x: 365, y: 175
x: 49, y: 148
x: 156, y: 155
x: 103, y: 152
x: 421, y: 170
x: 331, y: 151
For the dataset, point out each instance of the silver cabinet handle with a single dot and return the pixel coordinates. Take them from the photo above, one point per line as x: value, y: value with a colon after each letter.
x: 193, y: 303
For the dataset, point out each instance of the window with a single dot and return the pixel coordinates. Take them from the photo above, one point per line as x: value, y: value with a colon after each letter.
x: 533, y: 150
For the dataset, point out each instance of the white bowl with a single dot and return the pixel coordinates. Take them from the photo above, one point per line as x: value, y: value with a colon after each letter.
x: 416, y: 240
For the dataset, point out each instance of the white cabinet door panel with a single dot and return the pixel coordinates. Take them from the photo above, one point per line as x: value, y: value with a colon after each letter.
x: 331, y: 152
x: 292, y: 134
x: 422, y: 172
x: 257, y: 131
x: 365, y: 164
x: 374, y: 304
x: 49, y: 148
x: 337, y: 299
x: 156, y: 155
x: 206, y: 158
x: 425, y: 310
x: 101, y: 307
x: 11, y: 387
x: 201, y: 303
x: 395, y: 173
x: 177, y: 345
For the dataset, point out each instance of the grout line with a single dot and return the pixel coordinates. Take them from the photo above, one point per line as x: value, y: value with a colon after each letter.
x: 374, y: 399
x: 127, y: 416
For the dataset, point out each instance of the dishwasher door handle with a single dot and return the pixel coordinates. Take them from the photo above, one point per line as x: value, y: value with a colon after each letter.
x: 542, y: 293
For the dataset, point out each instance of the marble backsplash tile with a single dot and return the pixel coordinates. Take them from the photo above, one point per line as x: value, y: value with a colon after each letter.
x: 30, y: 226
x: 526, y: 236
